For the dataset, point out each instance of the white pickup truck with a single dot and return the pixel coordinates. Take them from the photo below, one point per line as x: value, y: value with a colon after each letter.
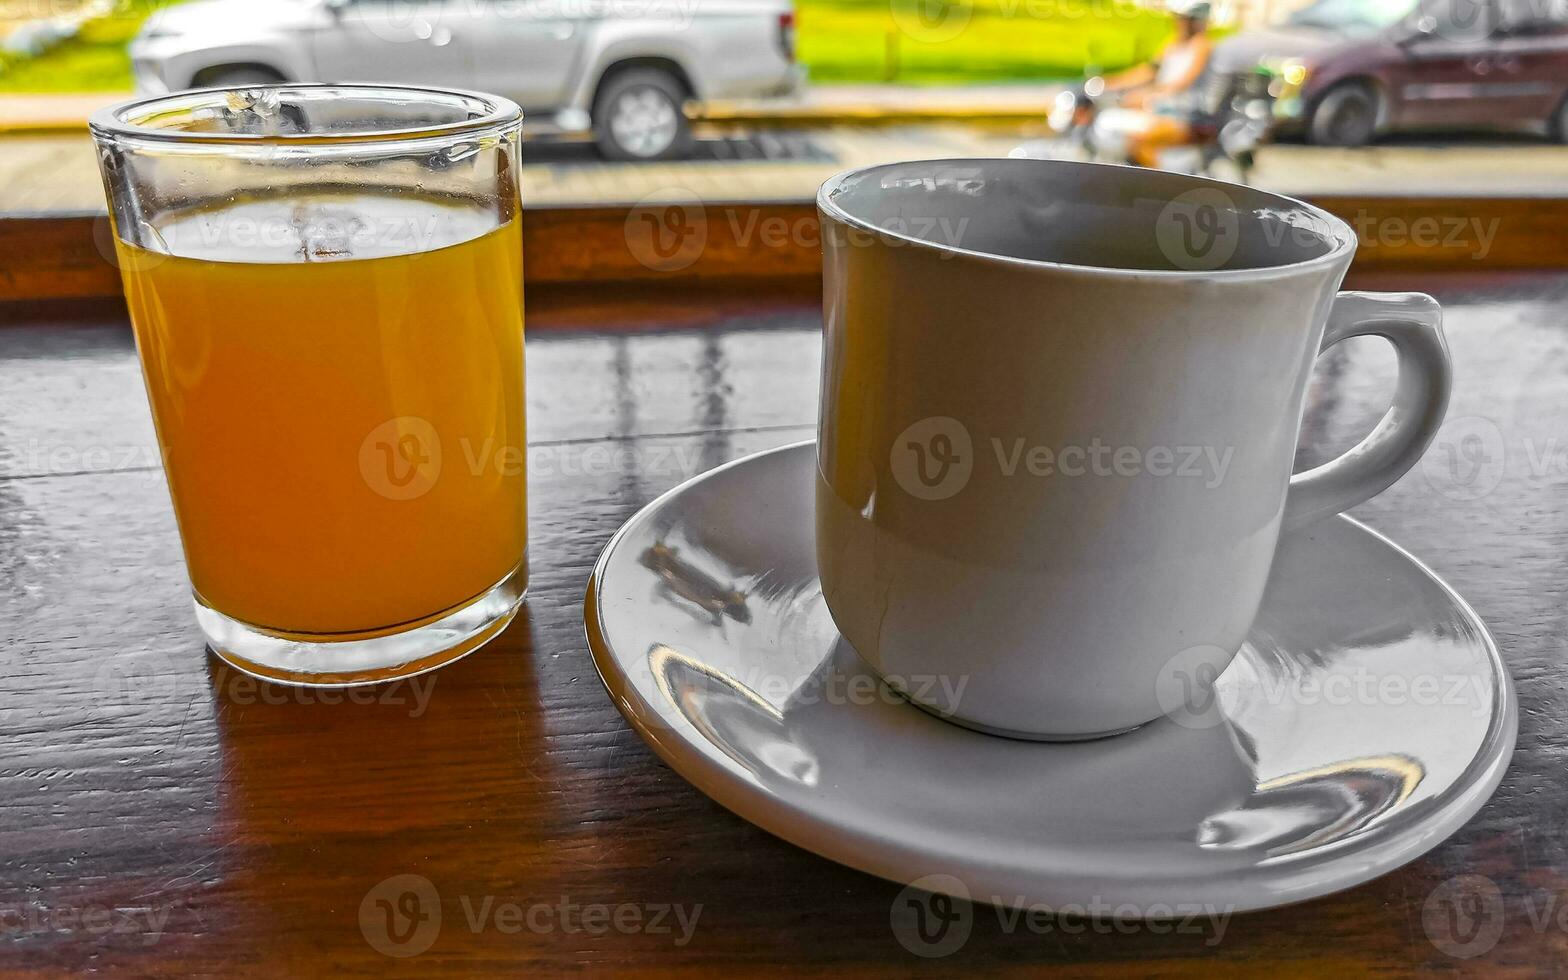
x: 622, y: 69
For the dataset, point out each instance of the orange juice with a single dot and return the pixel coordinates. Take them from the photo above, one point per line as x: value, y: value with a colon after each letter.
x: 338, y: 393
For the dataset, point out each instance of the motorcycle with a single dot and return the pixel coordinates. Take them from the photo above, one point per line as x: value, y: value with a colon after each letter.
x: 1236, y: 117
x: 1072, y: 115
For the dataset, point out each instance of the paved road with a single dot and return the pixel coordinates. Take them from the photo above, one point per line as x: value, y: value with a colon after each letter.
x: 51, y: 173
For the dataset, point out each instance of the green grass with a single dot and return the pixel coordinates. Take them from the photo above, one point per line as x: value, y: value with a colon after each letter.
x: 919, y: 41
x: 937, y: 41
x: 95, y: 60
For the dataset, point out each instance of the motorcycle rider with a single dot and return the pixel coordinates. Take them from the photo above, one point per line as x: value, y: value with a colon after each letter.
x: 1158, y: 102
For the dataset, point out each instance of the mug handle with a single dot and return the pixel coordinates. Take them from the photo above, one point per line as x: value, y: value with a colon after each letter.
x: 1413, y: 323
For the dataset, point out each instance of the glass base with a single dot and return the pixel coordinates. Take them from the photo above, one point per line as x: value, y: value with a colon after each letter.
x: 318, y: 660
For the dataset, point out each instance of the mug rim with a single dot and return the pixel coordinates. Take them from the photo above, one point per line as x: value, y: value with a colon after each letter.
x: 1343, y: 242
x: 130, y: 118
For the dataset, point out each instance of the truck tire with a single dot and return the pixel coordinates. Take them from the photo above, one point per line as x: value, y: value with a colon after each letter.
x: 639, y: 115
x: 1346, y: 116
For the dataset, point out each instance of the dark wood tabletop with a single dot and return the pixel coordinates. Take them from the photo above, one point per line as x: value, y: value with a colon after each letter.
x: 162, y: 814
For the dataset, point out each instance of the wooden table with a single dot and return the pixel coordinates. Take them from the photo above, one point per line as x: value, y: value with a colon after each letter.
x: 160, y: 813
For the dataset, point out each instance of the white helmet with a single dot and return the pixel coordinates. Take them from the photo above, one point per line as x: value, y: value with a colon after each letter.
x: 1191, y: 9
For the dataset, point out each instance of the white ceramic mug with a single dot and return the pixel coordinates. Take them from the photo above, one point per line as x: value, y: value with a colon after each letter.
x: 1059, y: 412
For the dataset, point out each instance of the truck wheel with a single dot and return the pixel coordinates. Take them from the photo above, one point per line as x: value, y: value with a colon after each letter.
x: 638, y: 116
x: 1346, y: 116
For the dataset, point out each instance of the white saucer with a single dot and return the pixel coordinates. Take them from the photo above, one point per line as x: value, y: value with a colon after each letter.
x: 1367, y: 717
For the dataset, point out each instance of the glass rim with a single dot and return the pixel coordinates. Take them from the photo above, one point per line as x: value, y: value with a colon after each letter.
x: 131, y: 118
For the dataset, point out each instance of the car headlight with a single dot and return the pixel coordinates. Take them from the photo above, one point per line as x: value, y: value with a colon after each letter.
x: 1294, y: 72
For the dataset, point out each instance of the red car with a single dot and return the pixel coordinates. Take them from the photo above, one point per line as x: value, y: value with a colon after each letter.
x: 1349, y: 70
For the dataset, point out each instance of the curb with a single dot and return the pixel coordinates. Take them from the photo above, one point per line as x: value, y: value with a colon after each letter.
x: 51, y: 113
x: 871, y: 114
x: 44, y: 128
x: 715, y: 113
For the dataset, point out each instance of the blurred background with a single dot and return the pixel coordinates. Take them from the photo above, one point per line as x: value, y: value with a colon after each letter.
x: 629, y: 100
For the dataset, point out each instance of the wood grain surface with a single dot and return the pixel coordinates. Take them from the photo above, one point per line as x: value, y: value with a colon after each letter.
x: 162, y: 815
x: 681, y: 244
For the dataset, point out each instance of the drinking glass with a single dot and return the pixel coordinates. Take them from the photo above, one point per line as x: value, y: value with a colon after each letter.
x: 325, y: 283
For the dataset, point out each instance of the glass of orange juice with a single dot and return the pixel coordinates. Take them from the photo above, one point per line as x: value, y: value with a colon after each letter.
x: 325, y: 284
